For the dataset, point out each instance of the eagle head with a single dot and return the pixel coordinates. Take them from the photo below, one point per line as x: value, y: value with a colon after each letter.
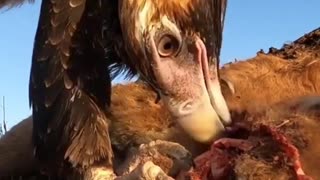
x: 176, y: 45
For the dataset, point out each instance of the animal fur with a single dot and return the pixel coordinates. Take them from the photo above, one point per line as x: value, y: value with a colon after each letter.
x: 268, y: 79
x: 18, y: 138
x: 278, y: 75
x: 265, y: 154
x: 144, y: 106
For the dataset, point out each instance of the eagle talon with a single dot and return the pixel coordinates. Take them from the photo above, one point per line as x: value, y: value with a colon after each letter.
x: 174, y: 150
x: 147, y: 171
x: 169, y: 156
x: 181, y: 157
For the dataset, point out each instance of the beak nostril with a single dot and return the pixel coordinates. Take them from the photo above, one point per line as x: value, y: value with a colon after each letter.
x: 186, y: 108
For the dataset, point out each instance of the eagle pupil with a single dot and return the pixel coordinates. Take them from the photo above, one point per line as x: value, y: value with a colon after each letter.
x: 167, y: 46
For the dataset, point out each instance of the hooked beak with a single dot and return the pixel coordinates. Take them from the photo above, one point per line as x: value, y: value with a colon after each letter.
x: 192, y: 90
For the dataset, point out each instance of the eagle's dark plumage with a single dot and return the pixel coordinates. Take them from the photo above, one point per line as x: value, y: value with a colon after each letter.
x: 173, y: 45
x: 68, y: 82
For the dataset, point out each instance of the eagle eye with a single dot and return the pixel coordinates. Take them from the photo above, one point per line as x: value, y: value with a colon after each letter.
x: 168, y: 45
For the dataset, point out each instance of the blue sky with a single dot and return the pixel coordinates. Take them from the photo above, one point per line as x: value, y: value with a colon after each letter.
x: 250, y: 25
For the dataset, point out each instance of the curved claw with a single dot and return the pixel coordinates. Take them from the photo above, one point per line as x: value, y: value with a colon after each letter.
x: 170, y: 157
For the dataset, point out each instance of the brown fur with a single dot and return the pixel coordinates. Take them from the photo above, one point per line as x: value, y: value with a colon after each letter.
x: 299, y: 121
x: 279, y: 75
x: 16, y: 150
x: 151, y: 122
x: 267, y: 79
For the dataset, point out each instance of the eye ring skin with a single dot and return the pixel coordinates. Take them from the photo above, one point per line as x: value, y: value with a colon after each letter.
x: 168, y: 45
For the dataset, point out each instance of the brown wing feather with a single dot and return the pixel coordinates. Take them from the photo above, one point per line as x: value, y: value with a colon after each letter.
x: 68, y: 83
x: 218, y: 11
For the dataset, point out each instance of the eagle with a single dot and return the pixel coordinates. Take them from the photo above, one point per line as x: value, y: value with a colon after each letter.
x: 81, y: 45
